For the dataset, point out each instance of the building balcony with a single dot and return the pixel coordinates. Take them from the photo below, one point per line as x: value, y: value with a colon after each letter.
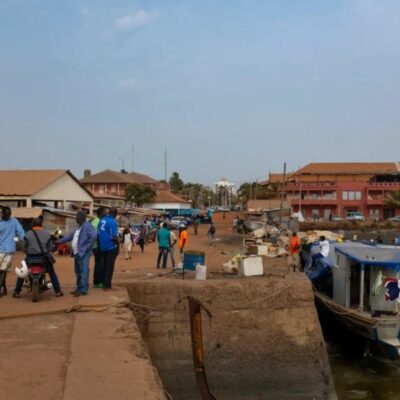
x: 329, y: 186
x: 383, y: 185
x: 314, y: 202
x: 375, y: 202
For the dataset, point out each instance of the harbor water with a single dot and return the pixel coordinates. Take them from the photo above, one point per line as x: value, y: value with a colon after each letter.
x: 358, y: 374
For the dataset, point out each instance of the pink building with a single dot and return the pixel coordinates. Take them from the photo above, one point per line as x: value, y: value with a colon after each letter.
x: 322, y: 190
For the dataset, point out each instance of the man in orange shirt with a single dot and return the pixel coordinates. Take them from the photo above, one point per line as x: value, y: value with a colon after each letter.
x: 294, y: 249
x: 183, y: 239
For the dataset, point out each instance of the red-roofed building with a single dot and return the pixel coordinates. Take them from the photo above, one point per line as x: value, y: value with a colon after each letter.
x: 324, y: 189
x: 114, y: 183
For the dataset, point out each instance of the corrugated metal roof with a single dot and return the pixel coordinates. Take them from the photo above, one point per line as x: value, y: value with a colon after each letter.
x: 27, y: 182
x: 109, y: 176
x: 165, y: 196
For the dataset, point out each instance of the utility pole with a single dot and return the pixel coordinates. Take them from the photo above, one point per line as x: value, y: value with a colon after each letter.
x: 282, y: 192
x: 255, y: 195
x: 133, y: 158
x: 165, y: 164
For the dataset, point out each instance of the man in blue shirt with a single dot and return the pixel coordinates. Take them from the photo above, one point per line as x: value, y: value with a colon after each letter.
x: 164, y: 240
x: 108, y: 242
x: 82, y: 240
x: 10, y: 229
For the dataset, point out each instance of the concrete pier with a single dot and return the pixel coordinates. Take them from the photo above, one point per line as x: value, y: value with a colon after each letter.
x: 263, y: 342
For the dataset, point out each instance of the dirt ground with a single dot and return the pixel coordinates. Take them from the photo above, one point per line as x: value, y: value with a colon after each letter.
x: 47, y: 353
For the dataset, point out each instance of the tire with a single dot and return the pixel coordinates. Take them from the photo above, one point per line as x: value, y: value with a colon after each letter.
x: 35, y: 290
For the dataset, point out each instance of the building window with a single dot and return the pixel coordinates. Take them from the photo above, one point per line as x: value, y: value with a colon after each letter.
x: 329, y: 196
x: 314, y: 196
x: 351, y: 195
x: 101, y: 188
x: 374, y: 213
x: 315, y: 213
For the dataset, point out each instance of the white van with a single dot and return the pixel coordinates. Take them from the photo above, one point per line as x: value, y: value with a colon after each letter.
x: 354, y: 216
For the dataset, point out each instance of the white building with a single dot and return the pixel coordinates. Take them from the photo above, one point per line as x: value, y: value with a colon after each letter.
x: 225, y: 191
x: 56, y: 188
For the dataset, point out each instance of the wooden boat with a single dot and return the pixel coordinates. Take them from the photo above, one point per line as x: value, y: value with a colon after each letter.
x: 347, y: 287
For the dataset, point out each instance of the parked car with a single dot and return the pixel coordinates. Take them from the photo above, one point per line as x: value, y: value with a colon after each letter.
x: 176, y: 221
x: 394, y: 219
x: 354, y: 216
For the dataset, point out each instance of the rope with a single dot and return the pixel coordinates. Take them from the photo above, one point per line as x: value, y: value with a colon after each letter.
x: 337, y: 310
x: 76, y: 308
x: 147, y: 311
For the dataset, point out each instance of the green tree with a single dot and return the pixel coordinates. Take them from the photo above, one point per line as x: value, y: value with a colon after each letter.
x: 176, y: 182
x: 253, y: 190
x: 197, y: 193
x: 140, y: 194
x: 393, y: 199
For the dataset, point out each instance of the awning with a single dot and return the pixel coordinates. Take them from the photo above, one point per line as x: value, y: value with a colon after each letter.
x: 26, y: 212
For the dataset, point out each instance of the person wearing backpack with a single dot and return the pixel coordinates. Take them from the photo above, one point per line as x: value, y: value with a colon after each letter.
x: 38, y: 249
x: 211, y: 234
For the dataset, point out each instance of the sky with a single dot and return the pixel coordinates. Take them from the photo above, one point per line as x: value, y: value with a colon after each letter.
x: 231, y: 88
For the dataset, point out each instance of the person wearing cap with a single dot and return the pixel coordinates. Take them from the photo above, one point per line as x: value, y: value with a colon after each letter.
x: 10, y: 229
x: 183, y: 239
x: 82, y: 239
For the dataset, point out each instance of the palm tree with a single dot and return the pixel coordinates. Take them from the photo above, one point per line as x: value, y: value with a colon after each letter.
x: 393, y: 199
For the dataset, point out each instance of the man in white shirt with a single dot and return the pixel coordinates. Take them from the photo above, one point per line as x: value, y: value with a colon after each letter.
x: 323, y: 250
x: 173, y: 241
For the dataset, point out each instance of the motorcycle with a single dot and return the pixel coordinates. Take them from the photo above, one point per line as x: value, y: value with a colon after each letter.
x: 37, y: 274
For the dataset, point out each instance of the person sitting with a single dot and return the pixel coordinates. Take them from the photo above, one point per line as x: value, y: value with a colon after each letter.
x: 38, y: 248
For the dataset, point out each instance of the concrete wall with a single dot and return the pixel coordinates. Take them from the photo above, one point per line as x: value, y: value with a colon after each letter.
x: 264, y: 340
x: 63, y: 189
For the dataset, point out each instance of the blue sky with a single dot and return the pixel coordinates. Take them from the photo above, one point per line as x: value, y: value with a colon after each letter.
x: 232, y: 88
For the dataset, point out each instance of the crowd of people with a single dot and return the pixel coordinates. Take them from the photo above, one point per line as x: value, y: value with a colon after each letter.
x: 99, y: 237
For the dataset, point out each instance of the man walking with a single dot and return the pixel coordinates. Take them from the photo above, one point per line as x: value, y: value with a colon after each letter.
x: 109, y: 246
x: 164, y: 239
x: 196, y: 224
x: 211, y: 234
x: 10, y: 229
x: 142, y: 237
x: 82, y: 240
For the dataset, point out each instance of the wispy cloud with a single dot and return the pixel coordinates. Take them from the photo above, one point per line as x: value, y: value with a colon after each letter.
x: 127, y: 83
x: 136, y: 20
x: 84, y: 11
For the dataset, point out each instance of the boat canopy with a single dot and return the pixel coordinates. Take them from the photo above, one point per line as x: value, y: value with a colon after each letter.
x: 378, y: 255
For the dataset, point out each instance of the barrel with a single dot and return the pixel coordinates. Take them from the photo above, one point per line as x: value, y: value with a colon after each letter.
x: 192, y: 258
